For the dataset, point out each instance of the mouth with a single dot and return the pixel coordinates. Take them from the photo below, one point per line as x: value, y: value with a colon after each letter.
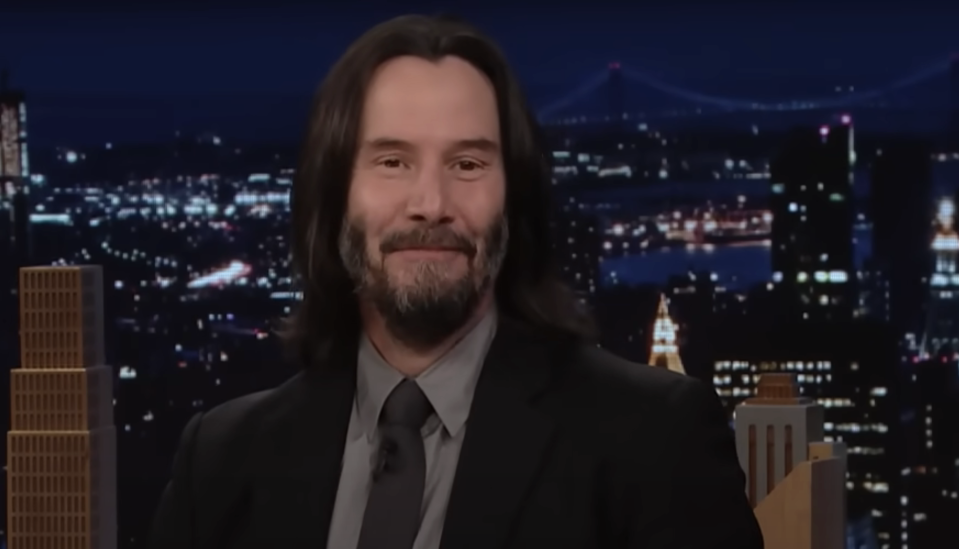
x: 428, y: 252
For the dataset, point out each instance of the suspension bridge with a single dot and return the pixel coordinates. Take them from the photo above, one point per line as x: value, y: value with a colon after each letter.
x: 624, y: 92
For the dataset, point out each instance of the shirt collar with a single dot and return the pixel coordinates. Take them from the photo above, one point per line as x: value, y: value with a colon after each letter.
x: 449, y: 383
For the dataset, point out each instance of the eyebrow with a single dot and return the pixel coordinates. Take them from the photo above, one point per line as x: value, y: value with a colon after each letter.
x: 391, y: 143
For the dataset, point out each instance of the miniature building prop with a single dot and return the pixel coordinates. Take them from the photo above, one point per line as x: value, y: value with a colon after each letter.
x: 795, y: 480
x: 61, y: 448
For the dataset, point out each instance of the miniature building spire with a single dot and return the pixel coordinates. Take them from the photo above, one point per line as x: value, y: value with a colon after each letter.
x: 61, y: 448
x: 664, y: 351
x: 776, y: 389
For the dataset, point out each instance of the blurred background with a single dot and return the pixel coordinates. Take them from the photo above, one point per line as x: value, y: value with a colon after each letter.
x: 738, y: 189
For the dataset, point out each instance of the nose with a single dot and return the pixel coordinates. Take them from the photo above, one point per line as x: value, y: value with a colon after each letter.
x: 429, y: 201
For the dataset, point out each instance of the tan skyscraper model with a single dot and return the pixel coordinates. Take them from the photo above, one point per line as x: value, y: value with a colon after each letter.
x: 61, y: 449
x: 795, y: 481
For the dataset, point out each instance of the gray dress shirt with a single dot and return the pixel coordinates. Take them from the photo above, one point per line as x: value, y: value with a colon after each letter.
x: 449, y: 385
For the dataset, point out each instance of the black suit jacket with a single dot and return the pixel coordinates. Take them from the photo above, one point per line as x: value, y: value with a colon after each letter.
x: 567, y: 447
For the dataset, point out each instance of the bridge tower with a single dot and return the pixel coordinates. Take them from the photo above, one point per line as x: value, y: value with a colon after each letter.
x: 953, y: 135
x: 616, y: 88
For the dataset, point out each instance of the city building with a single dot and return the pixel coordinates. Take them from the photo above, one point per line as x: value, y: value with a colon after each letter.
x: 873, y: 284
x: 900, y: 203
x: 812, y: 241
x: 849, y: 369
x: 577, y: 247
x: 930, y: 500
x: 794, y: 478
x: 664, y: 349
x: 14, y: 213
x: 61, y: 448
x: 941, y: 334
x: 922, y: 299
x: 930, y: 494
x: 14, y: 174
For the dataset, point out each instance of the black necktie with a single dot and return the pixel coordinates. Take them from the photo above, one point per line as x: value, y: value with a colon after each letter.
x: 392, y: 517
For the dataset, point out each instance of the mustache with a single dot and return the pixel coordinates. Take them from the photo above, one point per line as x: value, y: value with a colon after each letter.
x: 428, y: 237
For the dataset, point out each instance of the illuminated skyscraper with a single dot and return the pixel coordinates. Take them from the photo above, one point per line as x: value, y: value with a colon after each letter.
x: 61, y: 448
x: 941, y: 337
x: 812, y: 240
x: 14, y: 174
x: 795, y: 480
x: 931, y: 475
x: 664, y: 350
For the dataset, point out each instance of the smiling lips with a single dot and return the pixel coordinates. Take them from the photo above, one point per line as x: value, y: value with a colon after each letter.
x: 429, y: 252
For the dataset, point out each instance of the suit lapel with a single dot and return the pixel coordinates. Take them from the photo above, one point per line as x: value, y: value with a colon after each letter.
x: 300, y: 455
x: 506, y: 438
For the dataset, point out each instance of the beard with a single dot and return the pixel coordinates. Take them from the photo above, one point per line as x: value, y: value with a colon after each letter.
x: 428, y: 303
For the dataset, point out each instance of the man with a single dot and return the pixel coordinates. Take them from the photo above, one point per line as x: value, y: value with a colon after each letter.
x: 449, y: 398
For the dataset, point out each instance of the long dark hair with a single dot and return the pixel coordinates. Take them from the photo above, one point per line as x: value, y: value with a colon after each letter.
x: 527, y: 288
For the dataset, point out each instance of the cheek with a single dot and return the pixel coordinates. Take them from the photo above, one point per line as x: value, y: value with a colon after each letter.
x: 372, y: 237
x: 481, y: 204
x: 370, y: 209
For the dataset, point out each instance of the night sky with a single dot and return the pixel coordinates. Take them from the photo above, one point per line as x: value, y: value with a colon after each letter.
x: 263, y: 57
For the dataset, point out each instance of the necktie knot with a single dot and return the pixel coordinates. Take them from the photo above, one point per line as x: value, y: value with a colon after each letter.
x: 407, y: 406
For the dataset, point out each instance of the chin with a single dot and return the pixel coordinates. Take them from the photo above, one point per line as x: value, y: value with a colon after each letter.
x: 423, y: 261
x: 425, y: 273
x: 413, y: 283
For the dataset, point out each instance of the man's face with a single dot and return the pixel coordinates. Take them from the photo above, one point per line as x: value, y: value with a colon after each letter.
x: 425, y: 232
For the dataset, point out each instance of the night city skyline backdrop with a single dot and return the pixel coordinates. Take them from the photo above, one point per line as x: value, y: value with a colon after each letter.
x: 84, y: 62
x: 775, y: 186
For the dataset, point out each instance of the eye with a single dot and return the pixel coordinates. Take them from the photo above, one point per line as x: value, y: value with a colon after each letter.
x: 391, y: 163
x: 467, y: 165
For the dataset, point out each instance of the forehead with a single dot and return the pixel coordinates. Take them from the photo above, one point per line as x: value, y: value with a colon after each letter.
x: 417, y: 100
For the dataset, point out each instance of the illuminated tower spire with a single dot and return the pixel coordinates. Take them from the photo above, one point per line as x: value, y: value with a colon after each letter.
x: 664, y: 352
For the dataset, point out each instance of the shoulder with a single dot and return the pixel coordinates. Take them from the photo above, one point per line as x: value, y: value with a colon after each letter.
x: 232, y: 427
x: 628, y: 403
x: 632, y: 385
x: 638, y: 414
x: 586, y: 371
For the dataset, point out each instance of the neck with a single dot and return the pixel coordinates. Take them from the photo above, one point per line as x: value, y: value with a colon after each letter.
x: 409, y: 362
